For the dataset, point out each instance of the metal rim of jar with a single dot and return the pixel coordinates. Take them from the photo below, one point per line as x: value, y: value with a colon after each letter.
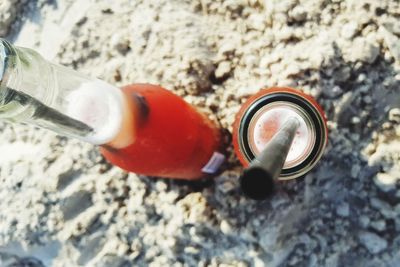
x: 300, y: 111
x: 312, y: 112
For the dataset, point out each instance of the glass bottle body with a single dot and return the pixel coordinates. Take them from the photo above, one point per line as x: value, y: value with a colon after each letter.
x: 141, y: 128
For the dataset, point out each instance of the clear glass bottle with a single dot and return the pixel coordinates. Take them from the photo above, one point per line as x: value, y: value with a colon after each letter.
x: 35, y: 91
x: 141, y: 128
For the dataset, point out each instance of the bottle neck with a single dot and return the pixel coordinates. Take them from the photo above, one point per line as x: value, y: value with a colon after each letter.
x: 35, y: 91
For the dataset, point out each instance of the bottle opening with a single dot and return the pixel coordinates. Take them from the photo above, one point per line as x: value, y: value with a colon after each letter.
x: 270, y: 118
x: 96, y: 104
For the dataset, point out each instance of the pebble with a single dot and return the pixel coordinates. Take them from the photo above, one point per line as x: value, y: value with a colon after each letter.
x: 372, y: 242
x: 298, y: 13
x: 343, y: 210
x: 342, y: 74
x: 113, y: 261
x: 74, y: 204
x: 355, y: 120
x: 394, y: 115
x: 349, y: 30
x: 362, y: 50
x: 342, y: 109
x: 256, y: 22
x: 383, y: 207
x: 8, y: 14
x: 120, y: 43
x: 392, y: 25
x: 334, y: 92
x: 364, y: 221
x: 385, y: 182
x: 355, y: 169
x: 379, y: 225
x: 225, y: 227
x: 226, y: 48
x: 223, y: 69
x: 392, y: 42
x: 367, y: 99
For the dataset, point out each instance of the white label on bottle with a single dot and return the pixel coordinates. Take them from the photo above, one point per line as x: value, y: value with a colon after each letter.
x: 214, y: 163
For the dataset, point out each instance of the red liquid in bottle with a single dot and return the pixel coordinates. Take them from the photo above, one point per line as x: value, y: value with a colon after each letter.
x: 166, y: 136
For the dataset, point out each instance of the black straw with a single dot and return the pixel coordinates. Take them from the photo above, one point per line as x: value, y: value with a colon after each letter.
x: 258, y: 180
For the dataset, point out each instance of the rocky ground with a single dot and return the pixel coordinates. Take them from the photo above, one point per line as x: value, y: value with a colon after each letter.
x: 63, y: 205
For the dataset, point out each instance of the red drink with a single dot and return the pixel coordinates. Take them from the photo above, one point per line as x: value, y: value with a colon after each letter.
x: 261, y: 117
x: 164, y: 136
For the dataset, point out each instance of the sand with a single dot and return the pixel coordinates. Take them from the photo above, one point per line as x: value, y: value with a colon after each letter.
x: 63, y: 205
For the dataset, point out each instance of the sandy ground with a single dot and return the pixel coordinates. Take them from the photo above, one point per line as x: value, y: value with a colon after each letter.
x: 62, y: 205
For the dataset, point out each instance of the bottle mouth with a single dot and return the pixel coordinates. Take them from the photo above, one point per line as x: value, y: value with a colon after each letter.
x: 263, y: 118
x: 270, y: 118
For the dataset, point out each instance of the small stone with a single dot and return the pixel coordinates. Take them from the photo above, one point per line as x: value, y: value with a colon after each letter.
x: 8, y: 14
x: 298, y: 13
x: 342, y: 74
x: 383, y: 207
x: 93, y: 245
x: 191, y: 250
x: 75, y: 204
x: 161, y: 186
x: 227, y: 48
x: 394, y: 115
x: 112, y: 261
x: 392, y: 25
x: 364, y: 51
x: 349, y: 30
x: 334, y: 92
x: 372, y: 242
x: 120, y: 43
x: 392, y: 42
x: 344, y: 108
x: 367, y: 99
x: 355, y: 170
x: 364, y: 88
x: 256, y: 22
x: 385, y: 182
x: 225, y: 227
x: 362, y: 77
x: 257, y: 262
x: 223, y: 69
x: 379, y: 225
x: 343, y: 210
x: 227, y: 186
x: 364, y: 221
x: 386, y: 126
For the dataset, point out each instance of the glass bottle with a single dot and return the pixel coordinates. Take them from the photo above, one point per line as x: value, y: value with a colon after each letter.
x: 141, y: 128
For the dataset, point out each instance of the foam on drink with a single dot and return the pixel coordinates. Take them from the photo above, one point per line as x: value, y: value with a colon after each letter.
x: 268, y: 120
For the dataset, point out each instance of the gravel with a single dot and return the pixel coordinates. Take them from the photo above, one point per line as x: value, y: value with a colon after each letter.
x: 214, y: 54
x: 372, y: 242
